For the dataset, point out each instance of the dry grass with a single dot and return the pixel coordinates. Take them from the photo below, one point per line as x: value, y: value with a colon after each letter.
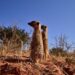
x: 14, y: 53
x: 57, y: 66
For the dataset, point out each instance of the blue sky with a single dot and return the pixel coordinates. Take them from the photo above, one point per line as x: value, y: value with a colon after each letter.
x: 58, y: 15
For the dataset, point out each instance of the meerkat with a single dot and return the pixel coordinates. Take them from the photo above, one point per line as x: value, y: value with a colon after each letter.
x: 45, y: 41
x: 37, y: 52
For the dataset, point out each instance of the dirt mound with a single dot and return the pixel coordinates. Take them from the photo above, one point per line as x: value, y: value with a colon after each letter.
x: 8, y: 69
x: 26, y: 67
x: 30, y: 69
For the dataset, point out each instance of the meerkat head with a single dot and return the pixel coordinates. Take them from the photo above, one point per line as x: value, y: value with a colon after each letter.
x: 34, y: 24
x: 44, y: 28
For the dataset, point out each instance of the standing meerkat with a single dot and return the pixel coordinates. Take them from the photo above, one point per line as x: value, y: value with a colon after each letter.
x: 37, y: 52
x: 45, y: 41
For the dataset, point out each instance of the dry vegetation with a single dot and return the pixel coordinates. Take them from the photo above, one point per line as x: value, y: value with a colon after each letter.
x: 12, y: 64
x: 19, y: 62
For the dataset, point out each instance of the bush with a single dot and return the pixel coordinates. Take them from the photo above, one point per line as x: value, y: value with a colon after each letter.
x: 58, y: 51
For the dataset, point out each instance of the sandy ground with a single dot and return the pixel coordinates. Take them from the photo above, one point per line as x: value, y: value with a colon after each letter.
x: 24, y: 66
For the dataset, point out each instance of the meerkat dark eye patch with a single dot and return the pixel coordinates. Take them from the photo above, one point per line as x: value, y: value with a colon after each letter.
x: 43, y: 27
x: 33, y: 23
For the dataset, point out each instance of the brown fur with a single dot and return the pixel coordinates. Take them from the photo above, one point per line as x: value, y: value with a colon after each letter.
x: 37, y: 43
x: 45, y: 41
